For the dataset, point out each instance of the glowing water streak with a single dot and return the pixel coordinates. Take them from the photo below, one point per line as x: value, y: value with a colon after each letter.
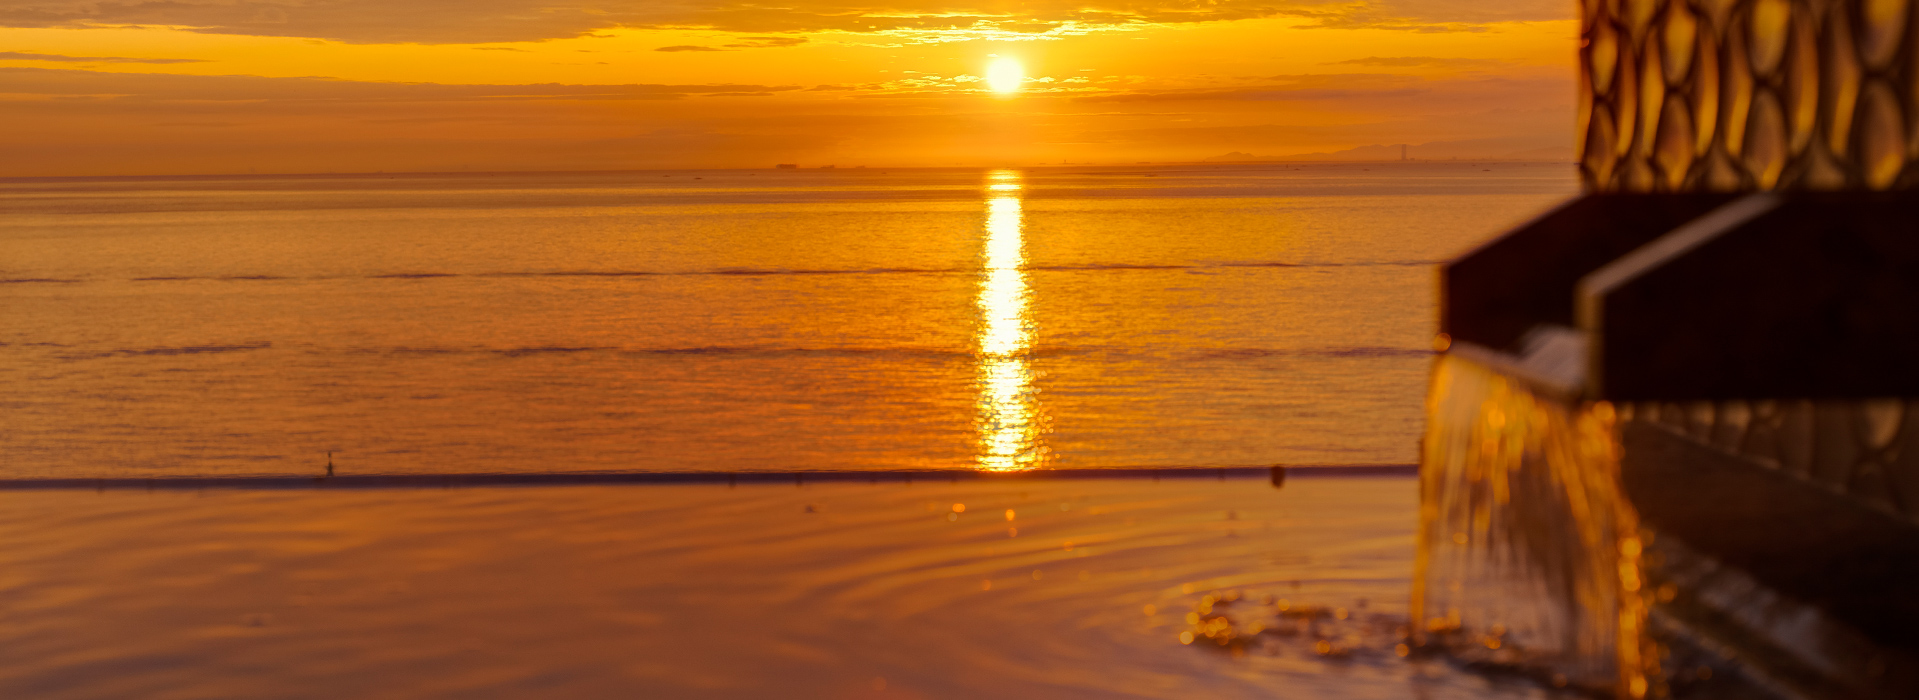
x: 1009, y: 415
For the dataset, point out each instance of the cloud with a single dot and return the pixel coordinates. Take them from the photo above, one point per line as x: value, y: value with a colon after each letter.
x: 246, y: 88
x: 1418, y: 61
x: 1534, y: 146
x: 31, y: 56
x: 81, y: 122
x: 484, y: 21
x: 68, y: 122
x: 1252, y: 95
x: 751, y: 42
x: 768, y: 42
x: 1425, y: 15
x: 1319, y: 87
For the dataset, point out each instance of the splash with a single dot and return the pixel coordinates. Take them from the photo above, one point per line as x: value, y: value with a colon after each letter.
x: 1239, y: 623
x: 1529, y: 553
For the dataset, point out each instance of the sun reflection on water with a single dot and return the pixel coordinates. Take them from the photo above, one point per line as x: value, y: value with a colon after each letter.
x: 1009, y: 420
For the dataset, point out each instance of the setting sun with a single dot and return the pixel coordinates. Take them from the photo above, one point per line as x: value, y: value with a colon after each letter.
x: 1004, y: 75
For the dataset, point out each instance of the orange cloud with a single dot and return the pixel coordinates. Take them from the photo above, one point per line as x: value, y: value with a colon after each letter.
x: 484, y: 21
x: 1419, y: 62
x: 242, y: 88
x: 84, y: 122
x: 210, y: 86
x: 58, y: 58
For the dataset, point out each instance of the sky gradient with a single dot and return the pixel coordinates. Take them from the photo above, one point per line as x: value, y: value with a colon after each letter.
x: 139, y: 87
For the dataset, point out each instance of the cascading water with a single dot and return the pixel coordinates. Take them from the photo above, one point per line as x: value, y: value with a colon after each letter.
x: 1529, y: 553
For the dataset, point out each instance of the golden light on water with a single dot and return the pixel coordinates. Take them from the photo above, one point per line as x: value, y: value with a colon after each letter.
x: 1002, y: 296
x: 1009, y: 416
x: 1004, y: 75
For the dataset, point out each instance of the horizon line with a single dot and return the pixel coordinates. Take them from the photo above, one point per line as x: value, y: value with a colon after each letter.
x: 832, y: 167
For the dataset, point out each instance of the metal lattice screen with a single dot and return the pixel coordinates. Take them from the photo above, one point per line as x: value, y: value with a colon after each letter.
x: 1681, y: 95
x: 1742, y: 95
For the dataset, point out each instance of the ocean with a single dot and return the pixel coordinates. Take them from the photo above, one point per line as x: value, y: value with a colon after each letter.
x: 1140, y: 319
x: 1197, y: 316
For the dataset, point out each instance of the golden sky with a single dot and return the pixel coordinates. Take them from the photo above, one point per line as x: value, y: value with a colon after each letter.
x: 97, y: 87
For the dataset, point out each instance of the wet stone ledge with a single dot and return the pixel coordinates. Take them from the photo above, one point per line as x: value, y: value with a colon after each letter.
x: 1791, y: 576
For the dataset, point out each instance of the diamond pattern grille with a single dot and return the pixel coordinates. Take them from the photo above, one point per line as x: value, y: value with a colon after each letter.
x: 1741, y: 95
x: 1868, y: 449
x: 1729, y: 95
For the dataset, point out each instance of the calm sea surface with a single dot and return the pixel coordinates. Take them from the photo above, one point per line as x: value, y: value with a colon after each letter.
x: 701, y: 591
x: 727, y: 320
x: 731, y: 320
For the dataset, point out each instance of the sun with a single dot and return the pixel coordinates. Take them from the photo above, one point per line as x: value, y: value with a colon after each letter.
x: 1004, y: 75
